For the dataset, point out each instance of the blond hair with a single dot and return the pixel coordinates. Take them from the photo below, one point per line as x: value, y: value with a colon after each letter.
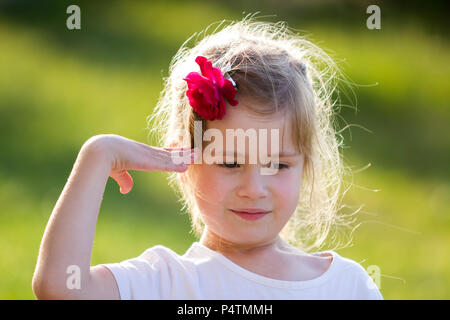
x: 273, y: 65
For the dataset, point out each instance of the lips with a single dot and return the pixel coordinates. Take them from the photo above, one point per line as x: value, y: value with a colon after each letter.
x: 250, y: 210
x: 250, y: 214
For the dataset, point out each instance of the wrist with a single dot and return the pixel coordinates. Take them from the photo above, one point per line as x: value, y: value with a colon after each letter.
x: 98, y: 148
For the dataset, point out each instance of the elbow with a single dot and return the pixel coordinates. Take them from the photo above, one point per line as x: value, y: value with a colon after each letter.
x: 41, y: 289
x: 44, y: 289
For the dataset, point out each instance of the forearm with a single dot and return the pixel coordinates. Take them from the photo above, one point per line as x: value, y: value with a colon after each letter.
x: 69, y: 235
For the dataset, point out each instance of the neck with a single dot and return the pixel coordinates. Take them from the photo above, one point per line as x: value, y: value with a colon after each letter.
x: 219, y: 244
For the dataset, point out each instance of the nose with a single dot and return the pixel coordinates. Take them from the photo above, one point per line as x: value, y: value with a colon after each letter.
x: 252, y: 184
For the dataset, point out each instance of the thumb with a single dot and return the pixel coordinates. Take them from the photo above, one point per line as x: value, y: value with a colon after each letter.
x: 124, y: 180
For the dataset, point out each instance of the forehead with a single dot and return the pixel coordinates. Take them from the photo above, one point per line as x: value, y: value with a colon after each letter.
x: 243, y: 116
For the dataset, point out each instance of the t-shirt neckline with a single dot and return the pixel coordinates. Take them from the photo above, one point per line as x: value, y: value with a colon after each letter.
x: 286, y: 284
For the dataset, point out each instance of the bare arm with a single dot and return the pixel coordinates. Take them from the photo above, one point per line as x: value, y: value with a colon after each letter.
x: 69, y: 235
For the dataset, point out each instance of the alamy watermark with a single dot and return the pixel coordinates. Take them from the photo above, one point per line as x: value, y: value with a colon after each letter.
x: 374, y: 272
x: 73, y: 281
x: 374, y: 20
x: 214, y: 152
x: 74, y: 20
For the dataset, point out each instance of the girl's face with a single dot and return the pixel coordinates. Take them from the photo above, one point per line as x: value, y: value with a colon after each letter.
x: 221, y: 188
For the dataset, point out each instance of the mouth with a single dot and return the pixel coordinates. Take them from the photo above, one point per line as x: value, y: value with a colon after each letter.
x: 251, y: 214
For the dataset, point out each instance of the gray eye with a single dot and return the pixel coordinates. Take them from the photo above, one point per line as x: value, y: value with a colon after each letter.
x: 230, y: 165
x: 278, y: 166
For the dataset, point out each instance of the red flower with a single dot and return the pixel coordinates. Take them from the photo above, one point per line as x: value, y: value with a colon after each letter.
x: 207, y: 91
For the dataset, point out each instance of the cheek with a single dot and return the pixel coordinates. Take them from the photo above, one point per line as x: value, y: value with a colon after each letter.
x: 213, y: 190
x: 212, y: 184
x: 287, y: 190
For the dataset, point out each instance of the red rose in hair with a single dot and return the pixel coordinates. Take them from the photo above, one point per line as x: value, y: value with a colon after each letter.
x: 207, y: 91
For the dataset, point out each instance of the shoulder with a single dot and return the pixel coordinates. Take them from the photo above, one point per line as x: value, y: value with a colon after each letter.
x: 358, y: 283
x: 162, y: 259
x: 151, y: 274
x: 159, y: 254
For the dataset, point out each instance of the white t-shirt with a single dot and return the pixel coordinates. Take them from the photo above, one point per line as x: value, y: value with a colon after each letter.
x: 202, y: 273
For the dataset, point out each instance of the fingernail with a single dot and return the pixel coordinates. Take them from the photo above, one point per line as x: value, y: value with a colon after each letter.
x: 196, y: 154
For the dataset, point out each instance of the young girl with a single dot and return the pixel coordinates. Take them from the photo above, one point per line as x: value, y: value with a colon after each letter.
x: 255, y: 227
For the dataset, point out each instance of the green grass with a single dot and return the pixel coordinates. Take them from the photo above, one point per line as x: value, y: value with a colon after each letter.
x: 59, y: 88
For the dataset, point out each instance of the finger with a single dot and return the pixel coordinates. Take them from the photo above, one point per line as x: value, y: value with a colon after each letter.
x: 124, y: 180
x: 170, y: 165
x: 165, y: 161
x: 186, y: 156
x: 183, y: 152
x: 177, y: 148
x: 175, y: 156
x: 180, y: 168
x: 162, y: 153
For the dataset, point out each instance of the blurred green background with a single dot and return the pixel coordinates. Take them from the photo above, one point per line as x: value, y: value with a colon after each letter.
x: 58, y: 87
